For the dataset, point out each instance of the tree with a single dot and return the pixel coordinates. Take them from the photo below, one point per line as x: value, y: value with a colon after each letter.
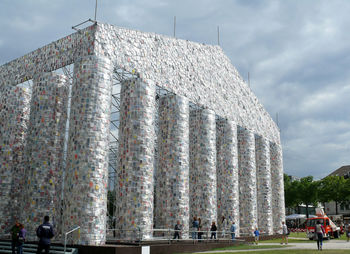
x: 290, y: 192
x: 334, y: 188
x: 307, y: 192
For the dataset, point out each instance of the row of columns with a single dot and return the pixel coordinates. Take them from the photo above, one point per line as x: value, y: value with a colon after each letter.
x: 228, y: 171
x: 206, y: 167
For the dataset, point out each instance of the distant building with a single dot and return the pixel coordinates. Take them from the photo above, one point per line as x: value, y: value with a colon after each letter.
x: 344, y: 209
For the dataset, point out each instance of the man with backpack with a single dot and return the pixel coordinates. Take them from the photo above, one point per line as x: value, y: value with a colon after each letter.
x: 14, y: 236
x: 45, y: 233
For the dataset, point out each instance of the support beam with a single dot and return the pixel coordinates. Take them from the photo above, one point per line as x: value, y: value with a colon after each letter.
x: 263, y: 180
x: 247, y: 182
x: 136, y: 160
x: 172, y: 186
x: 227, y: 173
x: 45, y: 145
x: 278, y: 206
x: 87, y: 160
x: 14, y: 114
x: 203, y: 196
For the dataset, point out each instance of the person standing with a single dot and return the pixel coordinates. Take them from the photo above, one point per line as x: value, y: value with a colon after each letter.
x: 177, y: 230
x: 284, y: 233
x: 347, y: 229
x: 256, y: 236
x: 233, y: 231
x: 213, y: 230
x: 45, y: 233
x: 21, y: 239
x: 195, y: 225
x: 319, y: 230
x: 14, y: 236
x: 200, y: 232
x: 223, y: 226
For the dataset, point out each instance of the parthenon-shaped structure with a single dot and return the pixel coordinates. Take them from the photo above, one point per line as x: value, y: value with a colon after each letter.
x: 166, y: 124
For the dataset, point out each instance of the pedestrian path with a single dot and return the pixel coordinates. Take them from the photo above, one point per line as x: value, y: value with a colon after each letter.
x: 327, y: 245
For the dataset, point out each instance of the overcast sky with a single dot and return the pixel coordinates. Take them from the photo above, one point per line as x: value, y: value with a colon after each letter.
x: 297, y: 53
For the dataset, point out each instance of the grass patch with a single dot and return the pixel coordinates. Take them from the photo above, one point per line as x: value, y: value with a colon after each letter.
x: 292, y: 252
x: 298, y: 235
x: 342, y: 237
x: 250, y: 247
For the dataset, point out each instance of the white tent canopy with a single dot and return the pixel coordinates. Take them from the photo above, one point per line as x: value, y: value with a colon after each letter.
x: 295, y: 216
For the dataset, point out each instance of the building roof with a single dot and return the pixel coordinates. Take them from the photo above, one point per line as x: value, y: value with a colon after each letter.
x: 202, y: 73
x: 342, y: 171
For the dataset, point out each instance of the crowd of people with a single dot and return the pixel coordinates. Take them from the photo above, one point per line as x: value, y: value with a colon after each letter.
x: 44, y: 232
x: 197, y: 230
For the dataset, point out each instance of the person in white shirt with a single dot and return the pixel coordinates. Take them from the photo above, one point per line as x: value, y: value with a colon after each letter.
x: 284, y: 233
x: 319, y: 230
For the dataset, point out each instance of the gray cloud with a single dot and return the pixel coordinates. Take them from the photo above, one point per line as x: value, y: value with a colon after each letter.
x: 297, y: 53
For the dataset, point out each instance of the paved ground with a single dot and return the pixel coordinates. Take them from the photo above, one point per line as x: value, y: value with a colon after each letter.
x: 327, y: 245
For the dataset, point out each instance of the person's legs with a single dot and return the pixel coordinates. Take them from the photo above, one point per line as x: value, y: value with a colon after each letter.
x: 318, y: 243
x: 40, y: 249
x: 282, y: 239
x: 20, y: 248
x: 320, y: 236
x: 13, y: 245
x: 47, y: 249
x: 194, y: 234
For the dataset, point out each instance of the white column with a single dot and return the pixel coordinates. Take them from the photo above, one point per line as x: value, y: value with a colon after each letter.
x: 86, y: 176
x: 278, y: 206
x: 247, y: 181
x: 203, y: 198
x: 45, y: 144
x: 135, y: 187
x: 14, y: 114
x: 172, y: 186
x: 263, y: 177
x: 227, y: 172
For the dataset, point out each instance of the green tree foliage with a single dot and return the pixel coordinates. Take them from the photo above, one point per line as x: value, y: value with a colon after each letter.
x: 309, y: 192
x: 334, y: 188
x: 290, y: 192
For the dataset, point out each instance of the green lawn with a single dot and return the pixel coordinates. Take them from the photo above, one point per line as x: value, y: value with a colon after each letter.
x: 250, y: 247
x: 298, y: 235
x: 292, y: 252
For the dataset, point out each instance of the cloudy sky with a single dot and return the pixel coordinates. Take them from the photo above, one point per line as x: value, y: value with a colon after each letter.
x: 297, y: 54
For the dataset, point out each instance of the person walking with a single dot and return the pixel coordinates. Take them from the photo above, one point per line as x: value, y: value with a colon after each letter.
x: 21, y: 239
x: 319, y: 230
x: 347, y: 231
x: 284, y: 233
x: 195, y: 226
x: 213, y: 230
x: 45, y: 233
x: 177, y: 230
x: 14, y: 236
x: 233, y: 231
x: 256, y: 236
